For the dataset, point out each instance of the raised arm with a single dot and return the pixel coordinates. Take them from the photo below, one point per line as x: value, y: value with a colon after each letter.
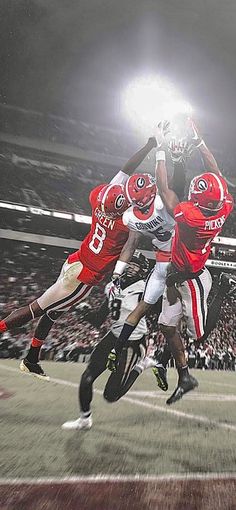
x: 121, y: 264
x: 126, y: 253
x: 133, y: 163
x: 168, y: 196
x: 207, y: 156
x: 139, y: 156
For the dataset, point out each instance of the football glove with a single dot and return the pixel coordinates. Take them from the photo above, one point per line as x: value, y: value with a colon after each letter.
x: 193, y: 134
x: 114, y: 288
x: 163, y: 129
x: 112, y: 361
x: 180, y: 150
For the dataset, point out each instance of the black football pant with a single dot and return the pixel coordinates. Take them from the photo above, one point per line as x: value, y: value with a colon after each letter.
x: 118, y: 383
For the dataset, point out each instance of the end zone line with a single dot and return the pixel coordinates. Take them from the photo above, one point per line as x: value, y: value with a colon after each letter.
x: 140, y: 403
x: 103, y: 478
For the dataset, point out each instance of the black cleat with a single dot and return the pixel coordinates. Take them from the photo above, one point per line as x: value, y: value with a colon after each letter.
x: 187, y: 384
x: 34, y: 369
x: 161, y: 376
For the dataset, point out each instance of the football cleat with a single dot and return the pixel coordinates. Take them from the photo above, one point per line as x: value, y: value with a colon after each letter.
x: 112, y: 361
x: 34, y: 369
x: 161, y: 376
x: 80, y: 424
x: 187, y: 384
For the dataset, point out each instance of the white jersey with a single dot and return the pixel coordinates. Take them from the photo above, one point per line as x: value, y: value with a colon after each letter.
x: 156, y: 223
x: 125, y: 303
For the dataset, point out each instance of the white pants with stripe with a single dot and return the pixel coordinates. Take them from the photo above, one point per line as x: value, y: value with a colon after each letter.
x: 155, y: 283
x: 192, y: 305
x: 66, y: 291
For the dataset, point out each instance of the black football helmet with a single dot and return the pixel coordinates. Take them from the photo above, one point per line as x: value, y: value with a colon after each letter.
x: 137, y: 269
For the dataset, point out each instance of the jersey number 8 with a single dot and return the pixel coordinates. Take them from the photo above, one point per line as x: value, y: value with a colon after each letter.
x: 98, y: 238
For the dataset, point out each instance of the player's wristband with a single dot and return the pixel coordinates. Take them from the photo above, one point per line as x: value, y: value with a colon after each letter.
x: 120, y: 267
x: 160, y: 156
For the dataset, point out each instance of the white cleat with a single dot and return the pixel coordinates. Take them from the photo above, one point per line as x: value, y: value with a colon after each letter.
x: 79, y: 424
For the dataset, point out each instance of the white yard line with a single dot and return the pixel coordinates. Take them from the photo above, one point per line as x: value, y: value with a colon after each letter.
x: 211, y: 397
x: 118, y: 478
x: 147, y: 405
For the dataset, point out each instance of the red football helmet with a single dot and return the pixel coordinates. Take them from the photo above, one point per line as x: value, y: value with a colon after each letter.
x: 141, y: 190
x: 112, y: 200
x: 208, y: 191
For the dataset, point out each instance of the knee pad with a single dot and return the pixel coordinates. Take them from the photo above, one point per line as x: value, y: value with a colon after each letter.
x: 71, y: 274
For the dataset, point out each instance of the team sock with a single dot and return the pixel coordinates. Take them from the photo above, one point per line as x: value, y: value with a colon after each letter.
x: 3, y: 326
x: 126, y: 331
x: 33, y: 354
x: 165, y: 356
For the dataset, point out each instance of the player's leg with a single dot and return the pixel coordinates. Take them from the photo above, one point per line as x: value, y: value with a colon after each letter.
x: 225, y: 286
x: 31, y: 362
x: 194, y: 294
x: 96, y: 366
x: 154, y: 288
x: 60, y: 297
x: 21, y: 316
x: 121, y: 381
x: 169, y: 320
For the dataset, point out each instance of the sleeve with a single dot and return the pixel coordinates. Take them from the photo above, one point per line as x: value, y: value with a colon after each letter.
x: 187, y: 214
x: 229, y: 204
x: 179, y: 214
x: 93, y: 195
x: 119, y: 178
x: 125, y: 218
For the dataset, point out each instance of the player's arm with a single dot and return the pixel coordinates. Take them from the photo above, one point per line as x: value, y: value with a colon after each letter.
x: 168, y: 196
x: 207, y: 156
x: 121, y: 264
x: 133, y: 163
x: 126, y: 254
x: 179, y: 151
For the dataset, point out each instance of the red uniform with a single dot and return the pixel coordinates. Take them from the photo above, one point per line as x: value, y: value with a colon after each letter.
x: 101, y: 248
x: 194, y: 234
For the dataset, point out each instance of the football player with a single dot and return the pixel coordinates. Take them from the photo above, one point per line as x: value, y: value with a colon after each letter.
x: 132, y: 286
x: 152, y: 220
x: 188, y: 282
x: 108, y: 243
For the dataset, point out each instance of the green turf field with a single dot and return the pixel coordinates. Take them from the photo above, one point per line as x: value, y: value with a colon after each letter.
x: 137, y: 435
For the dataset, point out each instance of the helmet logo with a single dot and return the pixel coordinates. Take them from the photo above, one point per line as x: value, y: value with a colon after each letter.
x: 202, y: 185
x: 140, y: 182
x: 119, y: 202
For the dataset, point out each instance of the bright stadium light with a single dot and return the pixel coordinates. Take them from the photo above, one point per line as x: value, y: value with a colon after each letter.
x: 150, y: 99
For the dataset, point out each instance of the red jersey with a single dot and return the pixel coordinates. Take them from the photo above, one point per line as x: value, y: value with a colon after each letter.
x: 194, y: 234
x: 101, y: 248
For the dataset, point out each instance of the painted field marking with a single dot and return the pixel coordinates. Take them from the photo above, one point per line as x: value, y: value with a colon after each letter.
x: 211, y: 397
x: 118, y: 478
x: 147, y: 405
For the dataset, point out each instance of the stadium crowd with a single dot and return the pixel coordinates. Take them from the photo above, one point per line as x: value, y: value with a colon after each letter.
x: 31, y: 124
x: 27, y: 270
